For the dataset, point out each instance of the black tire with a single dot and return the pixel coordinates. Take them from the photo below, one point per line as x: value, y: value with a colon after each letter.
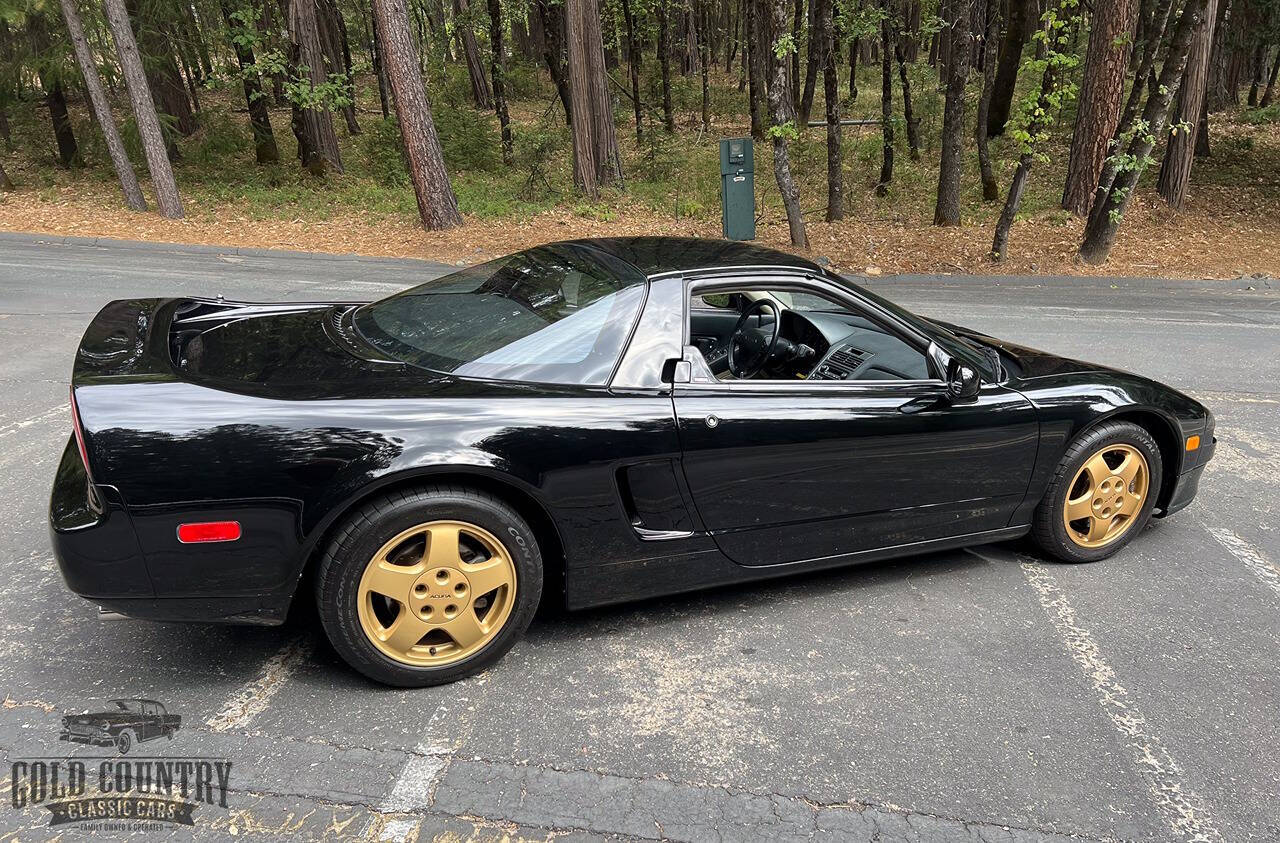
x: 355, y: 543
x: 1048, y: 530
x: 125, y: 741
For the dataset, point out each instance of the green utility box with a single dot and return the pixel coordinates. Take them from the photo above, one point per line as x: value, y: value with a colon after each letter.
x: 738, y: 189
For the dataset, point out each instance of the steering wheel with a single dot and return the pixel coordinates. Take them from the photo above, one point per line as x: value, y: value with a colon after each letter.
x: 751, y: 348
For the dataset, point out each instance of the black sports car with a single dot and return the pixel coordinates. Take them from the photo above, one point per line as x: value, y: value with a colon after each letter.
x: 608, y: 419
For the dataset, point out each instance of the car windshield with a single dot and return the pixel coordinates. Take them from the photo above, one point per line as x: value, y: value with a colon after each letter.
x: 131, y: 706
x: 555, y: 314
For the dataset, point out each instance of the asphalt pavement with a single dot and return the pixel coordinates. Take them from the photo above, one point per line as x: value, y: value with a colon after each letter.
x: 981, y: 695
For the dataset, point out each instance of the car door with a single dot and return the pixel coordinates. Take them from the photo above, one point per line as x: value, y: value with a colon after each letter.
x: 785, y: 472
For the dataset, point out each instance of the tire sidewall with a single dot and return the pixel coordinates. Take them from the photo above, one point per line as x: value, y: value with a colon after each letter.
x: 345, y: 560
x: 1092, y: 441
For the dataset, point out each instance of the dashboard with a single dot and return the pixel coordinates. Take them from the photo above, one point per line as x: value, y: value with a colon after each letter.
x: 849, y: 347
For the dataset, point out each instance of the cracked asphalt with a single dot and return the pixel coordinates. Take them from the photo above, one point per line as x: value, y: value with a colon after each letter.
x: 974, y: 696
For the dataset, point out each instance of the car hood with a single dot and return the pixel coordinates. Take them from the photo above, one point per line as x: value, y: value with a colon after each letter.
x: 1030, y: 362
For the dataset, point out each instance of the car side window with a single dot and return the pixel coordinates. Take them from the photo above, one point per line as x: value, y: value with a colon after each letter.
x: 818, y: 338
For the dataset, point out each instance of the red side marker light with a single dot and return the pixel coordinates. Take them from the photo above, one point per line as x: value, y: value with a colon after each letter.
x: 209, y: 531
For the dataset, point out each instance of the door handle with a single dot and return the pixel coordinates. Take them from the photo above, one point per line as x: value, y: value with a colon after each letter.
x: 916, y: 405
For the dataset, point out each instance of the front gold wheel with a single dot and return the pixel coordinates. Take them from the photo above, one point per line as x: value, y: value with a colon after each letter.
x: 1106, y: 496
x: 436, y: 593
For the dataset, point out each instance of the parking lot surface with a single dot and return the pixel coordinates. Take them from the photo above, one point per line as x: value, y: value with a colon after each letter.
x: 982, y: 695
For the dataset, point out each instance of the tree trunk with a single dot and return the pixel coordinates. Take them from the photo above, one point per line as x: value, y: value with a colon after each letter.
x: 596, y: 160
x: 797, y: 34
x: 499, y: 72
x: 831, y: 94
x: 144, y: 110
x: 755, y: 69
x: 1018, y: 184
x: 705, y: 54
x: 264, y: 140
x: 471, y: 50
x: 55, y: 97
x: 1108, y: 209
x: 1175, y: 172
x: 1015, y: 35
x: 101, y: 109
x: 664, y: 62
x: 781, y: 104
x: 886, y: 101
x: 817, y: 61
x: 375, y: 52
x: 1271, y: 83
x: 1098, y: 114
x: 635, y: 58
x: 1219, y: 93
x: 551, y: 18
x: 6, y: 184
x: 854, y: 48
x: 437, y: 204
x: 1255, y: 77
x: 947, y: 210
x: 908, y: 113
x: 333, y: 37
x: 318, y: 142
x: 165, y: 81
x: 990, y: 47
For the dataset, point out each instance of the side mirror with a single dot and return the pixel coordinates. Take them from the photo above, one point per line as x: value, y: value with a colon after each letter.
x: 961, y: 380
x: 963, y: 383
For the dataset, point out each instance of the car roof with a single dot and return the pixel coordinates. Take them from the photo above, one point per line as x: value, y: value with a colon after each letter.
x: 660, y: 255
x: 135, y: 699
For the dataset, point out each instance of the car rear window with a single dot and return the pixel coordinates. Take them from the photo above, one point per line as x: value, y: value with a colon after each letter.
x: 555, y: 314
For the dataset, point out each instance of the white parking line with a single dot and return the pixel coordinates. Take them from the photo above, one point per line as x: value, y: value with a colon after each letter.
x: 415, y: 785
x: 1253, y: 558
x: 252, y: 698
x: 14, y: 427
x: 1185, y: 812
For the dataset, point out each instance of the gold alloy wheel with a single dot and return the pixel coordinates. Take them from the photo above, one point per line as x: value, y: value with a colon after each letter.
x: 1106, y: 496
x: 436, y: 593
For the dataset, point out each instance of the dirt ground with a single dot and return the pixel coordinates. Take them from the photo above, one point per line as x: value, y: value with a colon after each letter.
x: 1208, y: 239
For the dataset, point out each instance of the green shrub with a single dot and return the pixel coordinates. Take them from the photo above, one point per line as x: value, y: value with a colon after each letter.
x: 221, y: 138
x: 469, y: 138
x: 382, y: 148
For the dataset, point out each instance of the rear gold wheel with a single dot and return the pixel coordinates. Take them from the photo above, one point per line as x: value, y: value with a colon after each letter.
x: 428, y: 585
x: 436, y: 593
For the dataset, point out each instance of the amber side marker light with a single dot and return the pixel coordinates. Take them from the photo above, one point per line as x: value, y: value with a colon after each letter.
x: 209, y: 531
x: 1193, y: 442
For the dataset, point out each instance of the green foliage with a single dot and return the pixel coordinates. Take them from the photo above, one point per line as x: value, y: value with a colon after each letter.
x: 1262, y: 116
x: 786, y: 131
x: 221, y: 139
x: 384, y: 153
x: 469, y: 139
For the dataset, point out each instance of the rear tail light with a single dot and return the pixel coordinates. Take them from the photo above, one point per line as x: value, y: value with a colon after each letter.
x: 209, y: 531
x: 79, y: 432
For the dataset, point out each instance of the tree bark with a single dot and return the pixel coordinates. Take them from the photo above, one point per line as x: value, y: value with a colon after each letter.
x: 1108, y: 210
x: 947, y: 210
x: 781, y: 104
x: 551, y: 18
x: 755, y: 69
x: 1015, y: 36
x: 471, y: 50
x: 1270, y: 92
x: 1175, y: 172
x: 1098, y: 114
x: 499, y: 72
x: 55, y: 96
x: 144, y: 110
x: 264, y: 140
x: 635, y: 58
x: 831, y: 94
x: 664, y: 62
x: 886, y: 102
x: 375, y: 52
x: 817, y: 61
x: 6, y: 184
x: 990, y: 48
x: 333, y: 37
x: 596, y: 160
x: 168, y: 90
x: 704, y: 49
x: 316, y: 124
x: 437, y: 205
x: 102, y: 109
x: 797, y: 32
x: 908, y: 113
x: 1018, y: 184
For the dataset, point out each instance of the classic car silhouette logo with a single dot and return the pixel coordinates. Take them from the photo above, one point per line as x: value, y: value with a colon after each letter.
x: 129, y: 721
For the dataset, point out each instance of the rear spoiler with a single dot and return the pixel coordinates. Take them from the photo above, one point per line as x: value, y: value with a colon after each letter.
x: 127, y: 340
